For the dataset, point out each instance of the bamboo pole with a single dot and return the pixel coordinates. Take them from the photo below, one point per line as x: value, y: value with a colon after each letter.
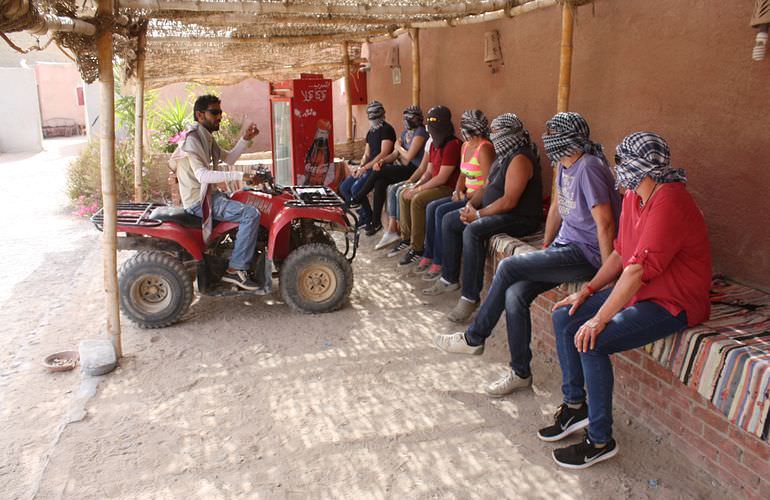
x: 414, y: 34
x: 107, y: 161
x: 565, y: 63
x: 348, y: 101
x: 49, y: 22
x: 139, y: 115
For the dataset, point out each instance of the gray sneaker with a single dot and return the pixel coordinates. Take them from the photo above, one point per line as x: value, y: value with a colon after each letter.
x: 455, y: 343
x: 507, y: 384
x: 440, y: 287
x: 463, y: 311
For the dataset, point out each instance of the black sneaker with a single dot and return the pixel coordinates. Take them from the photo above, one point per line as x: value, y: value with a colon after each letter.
x: 372, y: 229
x: 240, y: 279
x: 410, y: 258
x: 566, y: 421
x: 402, y: 245
x: 584, y: 454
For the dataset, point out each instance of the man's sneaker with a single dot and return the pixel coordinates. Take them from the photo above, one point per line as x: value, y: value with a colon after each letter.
x: 433, y: 273
x: 455, y: 343
x: 439, y: 287
x: 463, y: 311
x: 388, y: 238
x: 566, y: 421
x: 372, y: 229
x: 402, y: 245
x: 410, y: 258
x: 240, y: 279
x: 507, y: 384
x: 584, y: 454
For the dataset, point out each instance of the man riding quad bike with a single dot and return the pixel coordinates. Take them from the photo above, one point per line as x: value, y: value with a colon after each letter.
x: 288, y: 228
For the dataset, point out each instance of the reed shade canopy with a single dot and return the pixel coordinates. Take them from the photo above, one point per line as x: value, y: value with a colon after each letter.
x: 221, y: 42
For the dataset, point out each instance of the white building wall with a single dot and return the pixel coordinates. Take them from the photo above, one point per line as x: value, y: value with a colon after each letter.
x: 20, y: 130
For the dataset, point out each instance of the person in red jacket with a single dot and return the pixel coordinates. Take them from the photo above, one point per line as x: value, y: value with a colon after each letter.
x: 662, y: 263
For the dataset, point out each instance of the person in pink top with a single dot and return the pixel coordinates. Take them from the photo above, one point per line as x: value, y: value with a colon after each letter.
x: 662, y: 263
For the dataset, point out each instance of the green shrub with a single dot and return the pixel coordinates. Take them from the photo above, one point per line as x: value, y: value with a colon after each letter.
x: 84, y: 186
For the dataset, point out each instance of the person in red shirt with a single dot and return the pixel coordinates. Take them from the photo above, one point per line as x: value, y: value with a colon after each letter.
x: 438, y: 181
x: 662, y: 263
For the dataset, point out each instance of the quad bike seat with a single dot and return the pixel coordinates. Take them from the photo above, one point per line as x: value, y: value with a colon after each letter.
x: 177, y: 215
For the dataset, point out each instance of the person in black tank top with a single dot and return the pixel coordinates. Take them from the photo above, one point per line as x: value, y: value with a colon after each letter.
x: 509, y: 202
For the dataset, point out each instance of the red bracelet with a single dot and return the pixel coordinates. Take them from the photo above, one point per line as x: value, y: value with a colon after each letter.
x: 590, y: 289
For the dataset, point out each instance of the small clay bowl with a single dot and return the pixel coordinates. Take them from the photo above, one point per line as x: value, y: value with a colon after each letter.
x: 61, y: 361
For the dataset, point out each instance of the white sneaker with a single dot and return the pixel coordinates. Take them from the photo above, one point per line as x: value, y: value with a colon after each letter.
x: 387, y: 239
x: 507, y: 384
x: 455, y: 343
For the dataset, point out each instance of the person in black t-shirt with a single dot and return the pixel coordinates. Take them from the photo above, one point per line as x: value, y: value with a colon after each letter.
x: 379, y: 144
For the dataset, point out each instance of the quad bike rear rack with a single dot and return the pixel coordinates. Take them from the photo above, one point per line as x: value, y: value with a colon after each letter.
x: 130, y: 214
x: 313, y: 196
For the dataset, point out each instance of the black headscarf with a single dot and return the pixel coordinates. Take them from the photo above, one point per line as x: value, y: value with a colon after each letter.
x: 440, y: 125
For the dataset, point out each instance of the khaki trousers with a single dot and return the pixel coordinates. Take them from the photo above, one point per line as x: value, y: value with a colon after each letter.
x: 412, y: 216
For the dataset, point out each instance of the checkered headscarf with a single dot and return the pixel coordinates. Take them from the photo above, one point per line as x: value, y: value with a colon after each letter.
x: 375, y: 111
x: 644, y: 154
x: 509, y: 134
x: 474, y: 123
x: 413, y: 117
x: 568, y: 134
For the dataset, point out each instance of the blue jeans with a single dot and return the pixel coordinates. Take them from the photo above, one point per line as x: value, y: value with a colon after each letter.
x: 225, y: 209
x: 632, y: 327
x: 518, y: 280
x: 434, y: 214
x: 349, y: 188
x: 393, y: 192
x: 468, y: 242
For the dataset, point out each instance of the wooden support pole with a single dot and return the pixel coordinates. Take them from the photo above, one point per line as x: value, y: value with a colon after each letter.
x: 139, y: 115
x: 414, y: 34
x: 107, y: 160
x: 348, y: 101
x: 565, y: 66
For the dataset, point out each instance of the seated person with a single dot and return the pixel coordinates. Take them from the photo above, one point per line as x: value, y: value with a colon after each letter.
x: 438, y: 181
x: 392, y: 233
x: 579, y: 231
x: 476, y: 157
x: 195, y: 161
x: 510, y: 203
x: 395, y: 167
x: 379, y: 144
x: 662, y: 264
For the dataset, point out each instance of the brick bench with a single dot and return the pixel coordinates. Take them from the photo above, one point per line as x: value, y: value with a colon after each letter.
x: 707, y: 388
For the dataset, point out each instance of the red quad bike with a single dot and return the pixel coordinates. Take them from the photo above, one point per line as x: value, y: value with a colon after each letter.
x: 295, y: 237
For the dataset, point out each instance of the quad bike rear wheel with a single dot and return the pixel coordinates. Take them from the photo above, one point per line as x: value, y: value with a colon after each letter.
x: 316, y: 278
x: 155, y: 289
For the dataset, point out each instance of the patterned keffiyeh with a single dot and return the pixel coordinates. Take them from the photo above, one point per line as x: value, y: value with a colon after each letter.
x: 413, y: 117
x: 568, y: 133
x: 509, y: 134
x: 375, y: 111
x: 474, y: 123
x: 644, y: 154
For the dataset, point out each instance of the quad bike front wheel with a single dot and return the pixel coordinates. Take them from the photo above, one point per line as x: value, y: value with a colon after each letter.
x: 155, y: 289
x: 316, y: 278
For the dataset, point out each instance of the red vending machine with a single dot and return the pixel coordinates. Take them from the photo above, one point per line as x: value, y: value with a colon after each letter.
x: 301, y: 131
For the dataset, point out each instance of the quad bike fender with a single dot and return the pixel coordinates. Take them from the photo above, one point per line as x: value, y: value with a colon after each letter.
x: 280, y: 230
x: 191, y: 240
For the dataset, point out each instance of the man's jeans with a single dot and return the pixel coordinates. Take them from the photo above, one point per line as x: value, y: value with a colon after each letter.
x: 225, y: 209
x: 518, y: 281
x: 468, y: 243
x: 349, y: 188
x: 434, y: 215
x: 632, y: 327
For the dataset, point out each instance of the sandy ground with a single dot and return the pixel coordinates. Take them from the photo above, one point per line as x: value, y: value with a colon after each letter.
x: 245, y: 399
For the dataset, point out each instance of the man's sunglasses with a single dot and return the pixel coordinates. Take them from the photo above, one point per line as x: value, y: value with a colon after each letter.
x: 215, y: 112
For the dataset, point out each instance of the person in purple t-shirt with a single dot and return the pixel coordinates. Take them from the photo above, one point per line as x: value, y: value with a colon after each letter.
x: 579, y: 232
